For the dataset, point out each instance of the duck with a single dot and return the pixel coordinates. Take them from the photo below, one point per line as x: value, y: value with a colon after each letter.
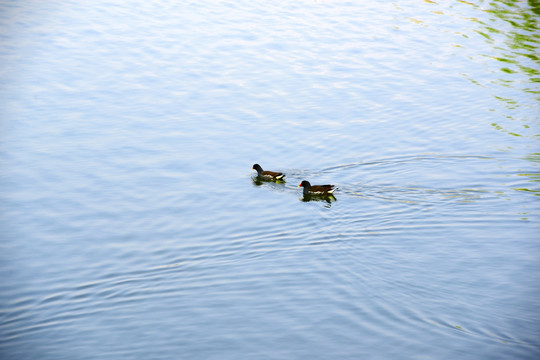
x: 267, y: 175
x: 317, y: 189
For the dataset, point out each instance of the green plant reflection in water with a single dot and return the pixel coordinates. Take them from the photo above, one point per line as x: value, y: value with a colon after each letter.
x: 534, y: 178
x: 522, y: 64
x: 523, y: 41
x: 512, y: 32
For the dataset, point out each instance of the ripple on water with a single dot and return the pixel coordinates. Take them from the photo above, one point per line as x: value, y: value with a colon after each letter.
x: 132, y: 227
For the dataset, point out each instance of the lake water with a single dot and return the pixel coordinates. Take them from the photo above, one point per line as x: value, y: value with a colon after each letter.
x: 132, y: 227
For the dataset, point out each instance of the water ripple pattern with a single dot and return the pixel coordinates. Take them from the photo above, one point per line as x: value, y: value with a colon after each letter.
x: 134, y: 228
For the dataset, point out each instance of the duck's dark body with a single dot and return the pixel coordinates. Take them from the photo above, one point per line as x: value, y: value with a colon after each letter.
x: 317, y: 189
x: 267, y: 175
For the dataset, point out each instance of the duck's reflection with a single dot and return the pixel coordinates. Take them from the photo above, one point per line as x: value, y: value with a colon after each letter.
x: 329, y: 199
x: 258, y: 181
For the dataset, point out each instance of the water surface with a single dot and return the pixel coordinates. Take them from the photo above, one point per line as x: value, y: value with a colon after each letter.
x: 132, y: 227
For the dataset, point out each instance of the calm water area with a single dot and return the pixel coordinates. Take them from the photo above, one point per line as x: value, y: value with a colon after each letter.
x: 132, y: 226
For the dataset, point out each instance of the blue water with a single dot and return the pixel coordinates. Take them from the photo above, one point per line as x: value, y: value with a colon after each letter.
x: 132, y: 226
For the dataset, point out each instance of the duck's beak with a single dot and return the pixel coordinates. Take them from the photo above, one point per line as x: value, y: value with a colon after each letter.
x: 299, y: 185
